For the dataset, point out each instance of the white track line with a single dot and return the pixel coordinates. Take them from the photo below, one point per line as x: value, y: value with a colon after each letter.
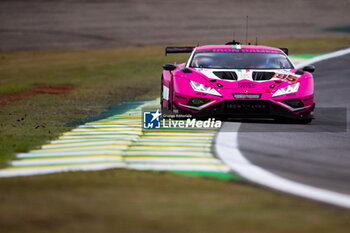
x: 324, y: 57
x: 227, y: 149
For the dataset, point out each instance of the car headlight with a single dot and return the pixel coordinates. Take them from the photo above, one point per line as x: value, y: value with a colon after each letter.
x: 287, y: 90
x: 203, y: 88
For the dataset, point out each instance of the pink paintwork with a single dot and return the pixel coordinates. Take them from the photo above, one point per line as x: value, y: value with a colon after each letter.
x: 177, y: 90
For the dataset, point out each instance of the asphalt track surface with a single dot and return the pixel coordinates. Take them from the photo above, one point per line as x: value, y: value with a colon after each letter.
x: 317, y: 154
x: 67, y: 24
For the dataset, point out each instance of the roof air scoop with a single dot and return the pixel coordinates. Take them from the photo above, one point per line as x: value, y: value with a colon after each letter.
x: 233, y: 43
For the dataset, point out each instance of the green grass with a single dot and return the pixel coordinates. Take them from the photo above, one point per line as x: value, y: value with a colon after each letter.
x: 105, y: 78
x: 345, y: 29
x: 121, y: 200
x: 134, y: 201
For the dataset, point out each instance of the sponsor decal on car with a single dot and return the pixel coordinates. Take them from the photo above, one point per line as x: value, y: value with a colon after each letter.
x: 181, y: 97
x: 246, y: 95
x: 244, y: 76
x: 242, y: 51
x: 286, y: 77
x: 245, y: 85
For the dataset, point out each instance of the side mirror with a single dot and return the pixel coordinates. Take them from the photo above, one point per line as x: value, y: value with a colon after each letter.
x: 169, y: 67
x: 309, y: 68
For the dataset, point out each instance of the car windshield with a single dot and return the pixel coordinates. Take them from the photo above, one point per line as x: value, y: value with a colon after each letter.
x: 240, y: 60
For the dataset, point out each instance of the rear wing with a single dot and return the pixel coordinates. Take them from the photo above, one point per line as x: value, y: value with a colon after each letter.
x: 186, y: 49
x: 285, y: 50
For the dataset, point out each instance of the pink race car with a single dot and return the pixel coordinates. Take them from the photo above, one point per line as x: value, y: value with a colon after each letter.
x: 238, y: 81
